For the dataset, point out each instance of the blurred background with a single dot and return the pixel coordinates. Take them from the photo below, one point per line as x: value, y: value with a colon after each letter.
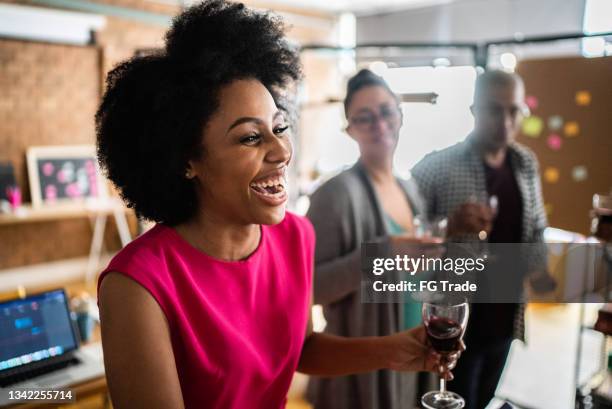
x: 54, y: 56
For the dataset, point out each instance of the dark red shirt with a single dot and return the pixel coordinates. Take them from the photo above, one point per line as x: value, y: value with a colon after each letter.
x: 509, y: 218
x: 492, y: 322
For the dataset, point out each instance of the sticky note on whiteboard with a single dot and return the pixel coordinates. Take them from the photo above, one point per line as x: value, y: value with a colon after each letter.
x: 548, y: 208
x: 532, y: 126
x: 554, y: 142
x: 551, y: 174
x: 583, y: 98
x: 532, y: 102
x: 571, y: 129
x: 555, y: 122
x: 579, y: 173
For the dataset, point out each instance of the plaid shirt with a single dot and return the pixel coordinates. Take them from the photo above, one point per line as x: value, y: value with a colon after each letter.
x: 452, y: 176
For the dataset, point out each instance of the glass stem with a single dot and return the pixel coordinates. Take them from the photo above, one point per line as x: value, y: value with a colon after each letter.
x: 442, y: 384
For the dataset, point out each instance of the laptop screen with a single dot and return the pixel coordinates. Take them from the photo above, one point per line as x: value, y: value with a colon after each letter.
x: 35, y: 328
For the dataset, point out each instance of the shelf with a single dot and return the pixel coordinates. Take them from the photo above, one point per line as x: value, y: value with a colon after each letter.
x: 47, y: 275
x: 29, y: 214
x: 98, y: 209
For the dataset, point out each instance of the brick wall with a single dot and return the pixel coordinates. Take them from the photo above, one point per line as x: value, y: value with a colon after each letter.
x: 49, y: 94
x: 45, y: 101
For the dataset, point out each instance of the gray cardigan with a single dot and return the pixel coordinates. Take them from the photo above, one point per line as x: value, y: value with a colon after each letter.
x: 345, y: 212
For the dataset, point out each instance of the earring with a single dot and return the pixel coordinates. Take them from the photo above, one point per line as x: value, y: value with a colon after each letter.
x: 188, y: 174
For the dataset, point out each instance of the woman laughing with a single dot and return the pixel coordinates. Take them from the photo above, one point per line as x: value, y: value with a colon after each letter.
x: 211, y: 307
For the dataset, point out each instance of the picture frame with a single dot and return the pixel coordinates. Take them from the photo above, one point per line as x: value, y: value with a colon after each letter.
x: 66, y: 174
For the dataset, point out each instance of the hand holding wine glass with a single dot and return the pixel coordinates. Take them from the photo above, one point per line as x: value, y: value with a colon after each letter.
x: 445, y: 324
x: 413, y: 246
x: 410, y: 350
x: 436, y: 228
x: 471, y: 218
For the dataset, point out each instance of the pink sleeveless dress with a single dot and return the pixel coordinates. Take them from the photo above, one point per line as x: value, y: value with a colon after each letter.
x: 237, y: 327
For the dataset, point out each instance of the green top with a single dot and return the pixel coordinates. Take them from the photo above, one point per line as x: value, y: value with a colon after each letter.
x: 412, y: 310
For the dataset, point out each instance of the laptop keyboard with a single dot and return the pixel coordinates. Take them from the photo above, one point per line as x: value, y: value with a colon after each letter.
x: 7, y: 380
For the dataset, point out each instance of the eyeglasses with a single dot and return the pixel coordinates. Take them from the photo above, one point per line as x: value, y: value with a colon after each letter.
x: 368, y: 119
x: 498, y: 111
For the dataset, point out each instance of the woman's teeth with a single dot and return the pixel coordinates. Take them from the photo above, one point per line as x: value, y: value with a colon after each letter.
x: 270, y: 187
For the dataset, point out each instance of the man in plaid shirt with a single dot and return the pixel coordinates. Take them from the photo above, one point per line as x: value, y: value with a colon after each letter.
x: 457, y: 182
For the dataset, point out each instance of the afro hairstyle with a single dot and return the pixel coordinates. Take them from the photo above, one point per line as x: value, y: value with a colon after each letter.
x: 155, y: 107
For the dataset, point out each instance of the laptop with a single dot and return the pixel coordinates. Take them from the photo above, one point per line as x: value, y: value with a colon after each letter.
x: 39, y: 345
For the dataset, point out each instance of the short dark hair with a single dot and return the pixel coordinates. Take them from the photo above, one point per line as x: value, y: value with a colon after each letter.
x: 364, y: 78
x: 152, y: 115
x: 495, y: 78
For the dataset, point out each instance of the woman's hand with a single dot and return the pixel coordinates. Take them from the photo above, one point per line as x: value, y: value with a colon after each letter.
x: 410, y: 351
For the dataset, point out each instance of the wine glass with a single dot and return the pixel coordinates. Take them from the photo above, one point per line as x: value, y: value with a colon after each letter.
x: 445, y: 324
x: 483, y: 236
x: 601, y: 225
x: 436, y: 228
x: 601, y: 216
x: 439, y: 227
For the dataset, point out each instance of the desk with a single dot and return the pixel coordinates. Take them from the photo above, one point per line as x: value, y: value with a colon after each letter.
x: 97, y: 209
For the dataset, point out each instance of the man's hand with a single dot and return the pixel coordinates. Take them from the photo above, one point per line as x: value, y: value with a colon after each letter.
x: 415, y: 247
x: 470, y: 218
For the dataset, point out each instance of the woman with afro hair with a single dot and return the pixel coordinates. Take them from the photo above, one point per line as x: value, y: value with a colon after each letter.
x: 211, y: 307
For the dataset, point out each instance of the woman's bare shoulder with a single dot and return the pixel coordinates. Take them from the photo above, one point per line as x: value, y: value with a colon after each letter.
x: 138, y: 371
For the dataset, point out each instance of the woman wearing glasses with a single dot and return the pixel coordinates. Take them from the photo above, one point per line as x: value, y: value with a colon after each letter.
x: 364, y: 203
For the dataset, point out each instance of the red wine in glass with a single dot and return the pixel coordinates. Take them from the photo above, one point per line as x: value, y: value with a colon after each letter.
x: 444, y: 334
x: 445, y: 324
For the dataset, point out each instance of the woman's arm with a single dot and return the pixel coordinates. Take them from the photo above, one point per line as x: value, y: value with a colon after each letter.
x: 331, y: 355
x: 138, y: 356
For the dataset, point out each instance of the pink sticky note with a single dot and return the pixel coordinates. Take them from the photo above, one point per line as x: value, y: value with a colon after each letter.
x: 531, y: 101
x: 554, y: 142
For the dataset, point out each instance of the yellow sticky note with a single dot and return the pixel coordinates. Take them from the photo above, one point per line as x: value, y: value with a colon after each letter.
x: 583, y: 98
x: 551, y: 174
x: 571, y: 129
x: 532, y: 126
x: 548, y: 208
